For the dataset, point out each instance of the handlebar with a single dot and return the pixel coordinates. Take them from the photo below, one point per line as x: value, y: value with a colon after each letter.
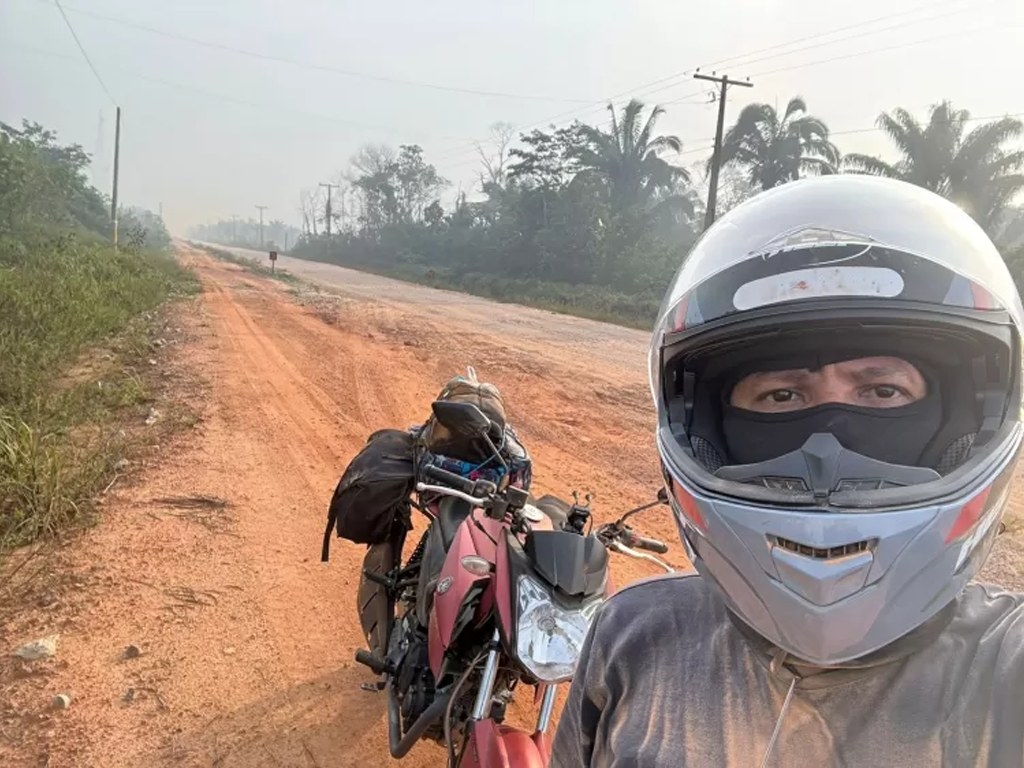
x: 618, y: 546
x: 450, y: 478
x: 636, y: 541
x: 476, y: 501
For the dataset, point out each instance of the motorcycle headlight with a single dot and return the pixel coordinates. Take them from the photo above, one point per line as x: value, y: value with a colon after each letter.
x: 548, y: 637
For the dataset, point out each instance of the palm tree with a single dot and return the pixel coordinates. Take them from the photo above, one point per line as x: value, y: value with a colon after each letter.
x: 629, y: 157
x: 975, y: 171
x: 775, y: 150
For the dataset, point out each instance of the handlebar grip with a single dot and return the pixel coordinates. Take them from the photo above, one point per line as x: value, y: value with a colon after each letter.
x: 450, y: 478
x: 630, y: 539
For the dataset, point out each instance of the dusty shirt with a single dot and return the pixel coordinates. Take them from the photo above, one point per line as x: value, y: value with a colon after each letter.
x: 667, y: 679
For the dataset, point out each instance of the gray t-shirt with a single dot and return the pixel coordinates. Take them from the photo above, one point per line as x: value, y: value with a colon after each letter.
x: 668, y: 679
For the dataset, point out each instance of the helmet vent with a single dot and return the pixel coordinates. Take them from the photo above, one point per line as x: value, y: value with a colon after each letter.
x: 823, y: 553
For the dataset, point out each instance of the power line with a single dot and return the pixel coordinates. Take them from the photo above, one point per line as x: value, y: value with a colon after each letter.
x: 890, y: 28
x: 84, y: 54
x: 262, y: 209
x: 854, y: 55
x: 645, y: 90
x: 897, y: 46
x: 328, y: 209
x: 744, y: 60
x: 592, y: 105
x: 716, y: 158
x: 733, y: 60
x: 320, y: 67
x: 226, y: 98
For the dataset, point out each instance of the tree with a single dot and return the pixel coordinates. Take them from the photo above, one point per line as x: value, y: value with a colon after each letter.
x: 548, y: 159
x: 433, y: 215
x: 394, y: 188
x: 494, y: 164
x: 775, y: 150
x: 308, y: 206
x: 143, y: 228
x: 977, y: 171
x: 45, y: 182
x: 629, y: 156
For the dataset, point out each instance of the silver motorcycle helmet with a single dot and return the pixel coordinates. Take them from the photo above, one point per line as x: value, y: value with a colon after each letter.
x: 835, y: 535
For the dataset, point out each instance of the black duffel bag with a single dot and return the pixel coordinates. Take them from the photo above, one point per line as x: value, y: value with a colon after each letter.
x: 371, y: 502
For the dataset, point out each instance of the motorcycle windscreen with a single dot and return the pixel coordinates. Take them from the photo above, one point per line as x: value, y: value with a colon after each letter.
x: 575, y: 565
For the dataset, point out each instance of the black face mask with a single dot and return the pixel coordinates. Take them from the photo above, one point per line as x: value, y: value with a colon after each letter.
x: 893, y: 435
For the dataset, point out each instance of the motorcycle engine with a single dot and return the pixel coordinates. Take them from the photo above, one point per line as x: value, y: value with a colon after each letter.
x: 413, y: 681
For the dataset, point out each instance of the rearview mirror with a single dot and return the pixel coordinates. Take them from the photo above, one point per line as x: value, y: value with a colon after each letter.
x: 463, y: 419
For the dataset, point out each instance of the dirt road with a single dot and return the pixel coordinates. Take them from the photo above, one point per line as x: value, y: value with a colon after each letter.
x: 247, y: 639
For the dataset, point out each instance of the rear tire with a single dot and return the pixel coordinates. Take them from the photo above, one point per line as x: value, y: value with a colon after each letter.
x: 375, y: 605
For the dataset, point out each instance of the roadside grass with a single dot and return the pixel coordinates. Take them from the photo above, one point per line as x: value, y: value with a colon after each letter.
x: 593, y: 302
x: 75, y: 320
x: 250, y: 265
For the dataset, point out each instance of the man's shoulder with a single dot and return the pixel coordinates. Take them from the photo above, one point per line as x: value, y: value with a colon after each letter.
x: 992, y: 611
x: 681, y: 603
x: 685, y: 585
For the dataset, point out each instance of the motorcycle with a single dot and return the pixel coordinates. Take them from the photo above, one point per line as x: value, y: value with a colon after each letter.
x: 499, y: 592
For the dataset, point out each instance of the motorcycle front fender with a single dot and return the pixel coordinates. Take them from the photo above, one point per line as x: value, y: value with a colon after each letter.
x: 499, y: 746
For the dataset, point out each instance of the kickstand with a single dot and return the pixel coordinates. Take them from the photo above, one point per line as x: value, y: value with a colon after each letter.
x: 374, y: 687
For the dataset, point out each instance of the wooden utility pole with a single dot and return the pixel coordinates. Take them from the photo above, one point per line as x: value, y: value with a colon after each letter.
x: 117, y: 161
x: 329, y: 186
x: 262, y: 209
x: 716, y: 159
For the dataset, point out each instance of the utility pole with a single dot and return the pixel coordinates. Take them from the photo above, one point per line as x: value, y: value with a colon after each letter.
x: 329, y: 186
x: 117, y: 159
x: 262, y: 209
x: 716, y: 164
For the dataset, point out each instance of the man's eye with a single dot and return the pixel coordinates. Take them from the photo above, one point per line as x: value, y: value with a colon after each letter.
x: 781, y: 396
x: 885, y: 391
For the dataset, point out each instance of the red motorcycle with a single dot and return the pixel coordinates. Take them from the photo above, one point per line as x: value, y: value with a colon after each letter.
x: 499, y: 592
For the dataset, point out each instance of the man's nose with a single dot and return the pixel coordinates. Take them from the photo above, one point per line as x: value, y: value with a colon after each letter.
x: 831, y: 387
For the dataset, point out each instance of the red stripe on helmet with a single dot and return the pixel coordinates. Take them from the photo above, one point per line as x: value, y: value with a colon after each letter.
x: 982, y: 298
x: 688, y: 505
x: 969, y: 515
x: 679, y: 317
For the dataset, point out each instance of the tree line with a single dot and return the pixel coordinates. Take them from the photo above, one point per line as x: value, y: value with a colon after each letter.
x: 246, y: 233
x: 610, y: 210
x: 44, y: 189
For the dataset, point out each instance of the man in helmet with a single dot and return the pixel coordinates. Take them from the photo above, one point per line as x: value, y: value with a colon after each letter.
x: 837, y: 374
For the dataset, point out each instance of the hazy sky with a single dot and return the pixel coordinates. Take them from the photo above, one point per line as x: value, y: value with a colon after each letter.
x: 210, y: 133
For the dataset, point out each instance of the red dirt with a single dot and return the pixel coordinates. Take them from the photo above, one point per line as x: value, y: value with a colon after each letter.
x: 247, y: 639
x: 254, y: 666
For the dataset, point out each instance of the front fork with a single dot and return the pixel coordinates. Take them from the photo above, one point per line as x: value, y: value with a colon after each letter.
x: 494, y: 746
x: 486, y: 692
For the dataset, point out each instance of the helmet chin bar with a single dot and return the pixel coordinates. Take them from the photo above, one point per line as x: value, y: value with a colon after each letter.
x: 822, y: 465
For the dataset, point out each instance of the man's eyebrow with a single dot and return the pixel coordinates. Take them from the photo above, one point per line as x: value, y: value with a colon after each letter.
x: 793, y: 376
x: 880, y: 372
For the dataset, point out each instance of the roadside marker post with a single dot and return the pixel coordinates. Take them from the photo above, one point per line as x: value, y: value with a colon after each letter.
x: 273, y: 261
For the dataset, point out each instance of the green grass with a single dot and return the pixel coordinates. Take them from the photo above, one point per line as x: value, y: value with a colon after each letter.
x: 62, y: 297
x: 250, y: 265
x: 590, y: 301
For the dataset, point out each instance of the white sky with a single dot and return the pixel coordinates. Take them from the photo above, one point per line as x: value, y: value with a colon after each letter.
x: 187, y: 145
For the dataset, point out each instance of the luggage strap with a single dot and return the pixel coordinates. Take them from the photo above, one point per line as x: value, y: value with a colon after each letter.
x: 325, y: 551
